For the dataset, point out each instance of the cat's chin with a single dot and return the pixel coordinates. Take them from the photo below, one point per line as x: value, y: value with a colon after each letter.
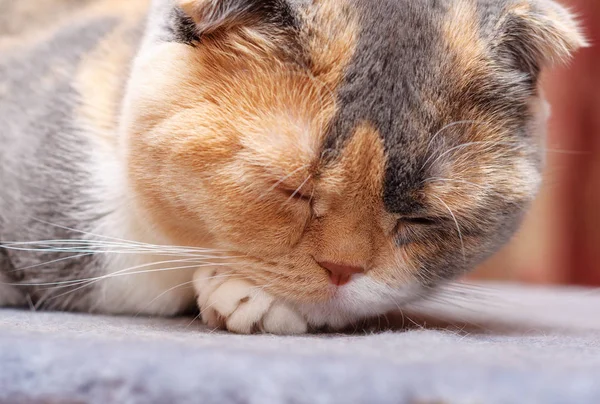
x: 360, y: 299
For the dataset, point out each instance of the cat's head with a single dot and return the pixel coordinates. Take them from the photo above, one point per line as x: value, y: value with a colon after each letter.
x: 396, y: 141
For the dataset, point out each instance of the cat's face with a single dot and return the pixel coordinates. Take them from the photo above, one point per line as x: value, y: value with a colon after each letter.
x: 398, y: 138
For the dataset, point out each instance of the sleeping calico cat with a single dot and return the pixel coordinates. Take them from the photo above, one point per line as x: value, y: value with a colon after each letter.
x: 285, y: 165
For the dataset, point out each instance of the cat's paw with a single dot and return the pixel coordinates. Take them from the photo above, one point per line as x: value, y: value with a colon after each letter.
x: 240, y: 307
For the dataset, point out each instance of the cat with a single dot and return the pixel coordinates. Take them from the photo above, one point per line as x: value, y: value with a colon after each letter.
x: 282, y: 165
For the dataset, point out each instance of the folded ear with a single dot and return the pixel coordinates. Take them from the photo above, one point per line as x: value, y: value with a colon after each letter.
x: 534, y: 34
x: 211, y: 16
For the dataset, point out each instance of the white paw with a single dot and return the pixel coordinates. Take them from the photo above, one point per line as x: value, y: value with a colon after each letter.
x: 240, y: 307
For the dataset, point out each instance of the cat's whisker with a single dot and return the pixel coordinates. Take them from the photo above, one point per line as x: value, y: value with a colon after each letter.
x: 162, y: 294
x: 406, y: 316
x: 181, y: 285
x: 85, y: 232
x: 459, y: 293
x: 202, y: 311
x: 92, y: 249
x: 439, y: 132
x: 84, y: 252
x: 469, y: 294
x: 92, y: 281
x: 460, y: 235
x: 85, y: 247
x: 462, y: 290
x: 282, y: 180
x: 53, y: 261
x: 312, y: 195
x: 299, y: 188
x: 426, y: 276
x: 129, y: 242
x: 93, y: 243
x: 448, y: 301
x: 196, y: 317
x: 124, y: 272
x: 440, y: 179
x: 468, y: 144
x: 463, y: 285
x: 44, y: 246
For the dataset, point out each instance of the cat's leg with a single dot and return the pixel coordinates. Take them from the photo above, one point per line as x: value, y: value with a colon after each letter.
x: 243, y: 308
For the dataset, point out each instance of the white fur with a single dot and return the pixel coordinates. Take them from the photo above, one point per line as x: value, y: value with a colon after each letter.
x: 160, y: 292
x: 241, y: 307
x: 363, y: 297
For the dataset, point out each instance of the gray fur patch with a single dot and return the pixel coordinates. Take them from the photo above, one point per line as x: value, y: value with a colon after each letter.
x: 44, y: 159
x: 402, y: 72
x: 397, y: 60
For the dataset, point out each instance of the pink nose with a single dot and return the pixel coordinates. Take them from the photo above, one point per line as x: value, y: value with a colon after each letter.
x: 339, y: 274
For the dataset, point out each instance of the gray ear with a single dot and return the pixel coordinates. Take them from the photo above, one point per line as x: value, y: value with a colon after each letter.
x: 211, y: 16
x: 534, y: 34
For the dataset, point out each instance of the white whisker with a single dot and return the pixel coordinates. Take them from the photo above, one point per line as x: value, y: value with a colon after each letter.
x: 87, y: 251
x: 52, y: 262
x: 178, y: 286
x: 47, y: 244
x: 462, y: 244
x: 463, y: 145
x: 162, y: 294
x: 278, y: 183
x: 440, y: 179
x: 127, y: 242
x: 91, y: 281
x: 442, y: 130
x: 299, y: 188
x: 123, y: 272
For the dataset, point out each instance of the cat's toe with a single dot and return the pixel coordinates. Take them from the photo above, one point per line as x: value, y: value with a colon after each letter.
x: 250, y: 311
x: 283, y: 320
x: 240, y: 307
x: 206, y: 281
x: 212, y: 318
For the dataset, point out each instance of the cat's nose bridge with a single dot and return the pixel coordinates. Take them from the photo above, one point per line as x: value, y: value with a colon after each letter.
x: 347, y: 242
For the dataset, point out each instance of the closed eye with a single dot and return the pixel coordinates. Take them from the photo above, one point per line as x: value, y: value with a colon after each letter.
x: 296, y: 194
x: 419, y: 221
x: 411, y: 229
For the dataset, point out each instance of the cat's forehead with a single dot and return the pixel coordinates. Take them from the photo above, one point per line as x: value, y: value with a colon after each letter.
x: 407, y: 70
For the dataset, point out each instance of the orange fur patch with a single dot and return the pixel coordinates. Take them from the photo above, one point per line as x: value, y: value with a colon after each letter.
x: 222, y: 136
x: 355, y: 228
x: 235, y: 104
x: 462, y: 37
x: 348, y: 230
x: 330, y: 33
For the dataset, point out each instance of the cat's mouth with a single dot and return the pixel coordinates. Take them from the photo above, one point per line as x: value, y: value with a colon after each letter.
x: 362, y: 298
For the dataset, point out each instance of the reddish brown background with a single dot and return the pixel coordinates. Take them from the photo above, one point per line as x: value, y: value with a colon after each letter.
x: 560, y: 241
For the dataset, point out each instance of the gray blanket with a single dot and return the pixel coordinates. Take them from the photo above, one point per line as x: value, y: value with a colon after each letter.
x: 494, y: 344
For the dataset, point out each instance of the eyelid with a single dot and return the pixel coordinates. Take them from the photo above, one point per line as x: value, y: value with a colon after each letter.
x: 419, y: 221
x: 295, y: 194
x: 411, y: 229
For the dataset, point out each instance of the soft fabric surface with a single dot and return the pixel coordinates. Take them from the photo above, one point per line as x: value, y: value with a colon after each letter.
x: 491, y: 344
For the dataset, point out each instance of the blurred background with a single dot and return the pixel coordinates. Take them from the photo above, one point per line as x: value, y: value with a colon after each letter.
x: 560, y: 240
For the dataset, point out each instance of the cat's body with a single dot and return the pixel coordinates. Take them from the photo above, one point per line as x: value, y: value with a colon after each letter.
x: 294, y: 163
x: 63, y: 80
